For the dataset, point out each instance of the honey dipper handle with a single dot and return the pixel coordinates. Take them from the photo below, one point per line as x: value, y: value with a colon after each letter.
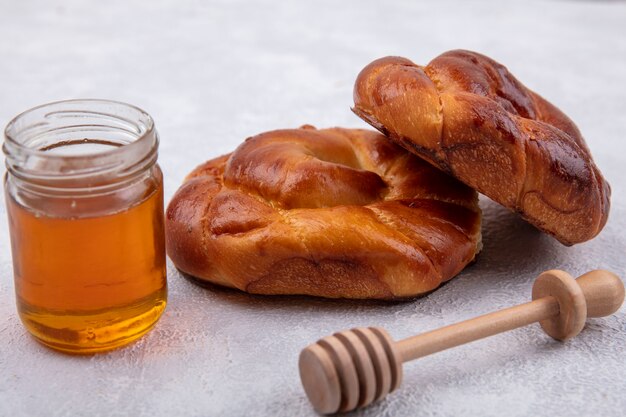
x: 603, y: 291
x: 477, y: 328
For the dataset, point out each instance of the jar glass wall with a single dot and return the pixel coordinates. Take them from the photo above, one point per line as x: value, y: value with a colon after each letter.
x: 84, y: 201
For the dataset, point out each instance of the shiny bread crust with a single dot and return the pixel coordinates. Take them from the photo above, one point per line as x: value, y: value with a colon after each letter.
x: 338, y: 213
x: 469, y: 116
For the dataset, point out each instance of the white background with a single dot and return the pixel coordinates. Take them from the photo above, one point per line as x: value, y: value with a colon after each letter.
x: 212, y: 74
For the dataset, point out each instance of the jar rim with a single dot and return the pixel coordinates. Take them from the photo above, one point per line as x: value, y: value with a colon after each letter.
x: 31, y: 151
x: 31, y: 135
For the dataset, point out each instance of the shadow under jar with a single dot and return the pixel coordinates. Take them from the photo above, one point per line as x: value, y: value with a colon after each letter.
x: 84, y: 200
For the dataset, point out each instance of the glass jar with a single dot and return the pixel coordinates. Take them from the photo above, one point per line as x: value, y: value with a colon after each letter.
x: 84, y: 199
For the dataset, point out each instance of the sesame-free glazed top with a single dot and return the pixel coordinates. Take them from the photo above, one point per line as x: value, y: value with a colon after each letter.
x: 469, y: 116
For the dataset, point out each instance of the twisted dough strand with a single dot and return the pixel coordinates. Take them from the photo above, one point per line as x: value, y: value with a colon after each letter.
x: 332, y: 213
x: 467, y: 115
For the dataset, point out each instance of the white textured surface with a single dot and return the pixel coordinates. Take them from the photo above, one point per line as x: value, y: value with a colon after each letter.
x: 213, y: 74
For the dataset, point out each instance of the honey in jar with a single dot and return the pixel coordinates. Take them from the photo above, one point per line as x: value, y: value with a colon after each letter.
x: 85, y: 207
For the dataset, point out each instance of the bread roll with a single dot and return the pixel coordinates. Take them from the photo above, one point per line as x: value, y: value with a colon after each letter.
x: 333, y: 213
x: 469, y: 116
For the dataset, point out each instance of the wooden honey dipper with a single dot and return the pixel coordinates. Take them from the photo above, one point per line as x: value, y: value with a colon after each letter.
x: 354, y: 368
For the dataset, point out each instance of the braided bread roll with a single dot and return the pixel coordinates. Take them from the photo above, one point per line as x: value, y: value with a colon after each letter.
x: 331, y: 213
x: 467, y: 115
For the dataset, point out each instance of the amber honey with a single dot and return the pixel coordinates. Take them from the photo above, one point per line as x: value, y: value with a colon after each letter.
x: 94, y: 282
x: 86, y: 223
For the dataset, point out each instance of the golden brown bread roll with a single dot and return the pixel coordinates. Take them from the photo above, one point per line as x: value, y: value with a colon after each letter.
x: 331, y: 213
x: 467, y: 115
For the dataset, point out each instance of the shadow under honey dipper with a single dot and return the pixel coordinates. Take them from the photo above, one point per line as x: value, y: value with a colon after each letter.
x: 352, y: 369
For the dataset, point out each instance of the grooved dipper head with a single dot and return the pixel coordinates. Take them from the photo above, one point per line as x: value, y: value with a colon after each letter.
x: 350, y: 369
